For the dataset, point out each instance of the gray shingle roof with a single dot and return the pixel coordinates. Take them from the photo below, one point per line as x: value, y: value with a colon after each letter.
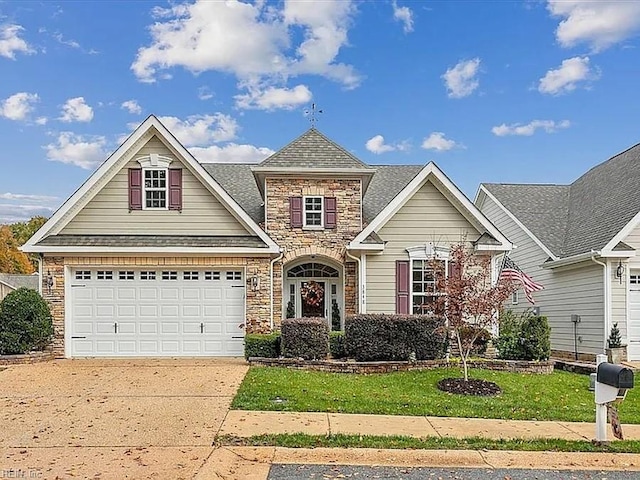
x: 385, y: 185
x: 583, y: 216
x: 17, y: 281
x: 313, y: 150
x: 151, y: 241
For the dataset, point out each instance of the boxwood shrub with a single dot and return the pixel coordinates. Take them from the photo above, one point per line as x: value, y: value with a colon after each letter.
x: 337, y: 345
x: 306, y: 338
x: 379, y: 337
x: 25, y: 322
x: 523, y: 337
x: 262, y: 345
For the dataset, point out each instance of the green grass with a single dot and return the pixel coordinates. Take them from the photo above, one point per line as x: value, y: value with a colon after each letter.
x: 561, y: 396
x: 430, y: 443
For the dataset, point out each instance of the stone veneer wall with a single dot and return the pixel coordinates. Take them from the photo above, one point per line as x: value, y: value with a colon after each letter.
x: 258, y: 311
x: 328, y: 243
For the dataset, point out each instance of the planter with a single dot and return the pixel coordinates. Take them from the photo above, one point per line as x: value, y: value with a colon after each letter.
x: 617, y: 355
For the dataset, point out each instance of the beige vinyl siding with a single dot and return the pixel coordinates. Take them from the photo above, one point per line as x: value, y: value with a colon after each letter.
x: 427, y: 217
x: 568, y: 291
x: 108, y: 212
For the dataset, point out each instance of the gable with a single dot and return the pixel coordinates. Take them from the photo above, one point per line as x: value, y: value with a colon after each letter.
x: 633, y: 239
x: 108, y: 211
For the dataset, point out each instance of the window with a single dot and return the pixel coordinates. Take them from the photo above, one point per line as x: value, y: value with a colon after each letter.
x: 313, y: 212
x: 104, y: 275
x: 234, y: 275
x: 514, y: 298
x: 155, y: 188
x: 125, y: 275
x: 147, y: 275
x: 212, y: 275
x: 634, y: 279
x: 169, y: 275
x: 190, y: 275
x: 83, y: 275
x: 424, y: 288
x: 312, y: 270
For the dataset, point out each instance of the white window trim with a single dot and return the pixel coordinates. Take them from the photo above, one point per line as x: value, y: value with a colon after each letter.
x: 304, y: 213
x: 515, y: 298
x: 165, y: 189
x: 428, y: 251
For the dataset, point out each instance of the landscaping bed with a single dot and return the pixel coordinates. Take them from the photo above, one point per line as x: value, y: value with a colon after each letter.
x: 559, y: 396
x: 25, y: 358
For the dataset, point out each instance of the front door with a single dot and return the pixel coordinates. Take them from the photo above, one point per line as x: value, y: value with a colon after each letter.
x: 312, y: 299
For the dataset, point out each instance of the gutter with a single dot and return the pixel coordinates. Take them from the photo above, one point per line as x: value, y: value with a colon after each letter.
x: 607, y: 288
x: 272, y: 263
x: 570, y: 260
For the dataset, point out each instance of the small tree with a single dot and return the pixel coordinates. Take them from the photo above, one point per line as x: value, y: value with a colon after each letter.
x: 470, y: 300
x: 335, y: 316
x: 615, y: 339
x: 291, y: 310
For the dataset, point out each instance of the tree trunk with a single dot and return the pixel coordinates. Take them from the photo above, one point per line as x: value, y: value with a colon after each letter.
x: 463, y: 355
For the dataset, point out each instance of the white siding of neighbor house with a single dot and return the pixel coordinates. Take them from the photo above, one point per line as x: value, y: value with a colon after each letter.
x: 108, y: 212
x: 427, y: 217
x: 578, y: 290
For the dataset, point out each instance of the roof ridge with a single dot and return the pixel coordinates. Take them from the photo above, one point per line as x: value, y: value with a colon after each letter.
x: 314, y: 129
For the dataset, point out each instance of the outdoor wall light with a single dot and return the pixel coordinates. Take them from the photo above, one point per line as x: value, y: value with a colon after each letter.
x: 255, y: 282
x: 49, y: 281
x: 620, y: 271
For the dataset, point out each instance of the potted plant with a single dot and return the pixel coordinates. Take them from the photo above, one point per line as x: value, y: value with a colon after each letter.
x: 616, y: 353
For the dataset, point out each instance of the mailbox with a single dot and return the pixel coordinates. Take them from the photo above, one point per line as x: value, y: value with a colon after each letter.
x: 615, y: 375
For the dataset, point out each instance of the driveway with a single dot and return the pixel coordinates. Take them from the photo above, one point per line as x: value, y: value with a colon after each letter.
x: 113, y: 418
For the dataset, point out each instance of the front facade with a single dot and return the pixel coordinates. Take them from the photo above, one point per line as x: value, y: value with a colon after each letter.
x: 580, y: 242
x: 159, y: 255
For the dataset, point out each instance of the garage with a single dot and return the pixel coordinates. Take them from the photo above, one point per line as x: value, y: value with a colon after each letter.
x: 125, y: 312
x: 633, y: 349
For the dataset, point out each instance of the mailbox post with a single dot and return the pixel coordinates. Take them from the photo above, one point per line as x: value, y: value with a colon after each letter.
x: 612, y: 383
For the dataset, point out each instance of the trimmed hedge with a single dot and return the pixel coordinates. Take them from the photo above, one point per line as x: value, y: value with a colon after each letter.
x: 306, y: 338
x: 376, y: 337
x: 536, y: 335
x: 25, y: 322
x: 337, y: 344
x: 523, y: 337
x: 262, y: 345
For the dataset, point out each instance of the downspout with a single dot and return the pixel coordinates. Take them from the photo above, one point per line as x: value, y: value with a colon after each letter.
x: 272, y: 263
x: 40, y: 270
x: 607, y: 287
x: 360, y: 281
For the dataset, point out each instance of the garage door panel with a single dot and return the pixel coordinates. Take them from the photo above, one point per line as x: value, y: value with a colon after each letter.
x: 182, y: 313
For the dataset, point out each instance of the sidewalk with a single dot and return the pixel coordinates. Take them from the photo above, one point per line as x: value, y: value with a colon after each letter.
x: 242, y: 423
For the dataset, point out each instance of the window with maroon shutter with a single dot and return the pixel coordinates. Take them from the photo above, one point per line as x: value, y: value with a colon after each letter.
x: 175, y: 189
x: 402, y: 286
x: 295, y: 211
x: 330, y: 214
x: 135, y: 189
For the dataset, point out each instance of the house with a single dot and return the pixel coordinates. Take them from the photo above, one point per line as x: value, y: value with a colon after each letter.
x: 580, y: 241
x: 159, y: 255
x: 10, y: 282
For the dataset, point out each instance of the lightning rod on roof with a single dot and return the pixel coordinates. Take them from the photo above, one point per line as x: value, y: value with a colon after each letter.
x: 312, y: 113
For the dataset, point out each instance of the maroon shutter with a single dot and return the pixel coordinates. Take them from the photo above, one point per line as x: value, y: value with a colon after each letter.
x: 295, y: 211
x: 175, y: 189
x: 402, y: 286
x: 135, y: 189
x: 330, y: 212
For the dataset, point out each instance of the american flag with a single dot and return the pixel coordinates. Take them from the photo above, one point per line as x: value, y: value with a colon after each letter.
x: 511, y: 271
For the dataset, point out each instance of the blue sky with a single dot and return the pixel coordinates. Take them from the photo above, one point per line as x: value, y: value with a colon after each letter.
x: 500, y: 91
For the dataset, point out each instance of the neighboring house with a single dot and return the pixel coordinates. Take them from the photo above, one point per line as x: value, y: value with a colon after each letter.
x: 10, y: 282
x: 159, y: 255
x: 580, y: 241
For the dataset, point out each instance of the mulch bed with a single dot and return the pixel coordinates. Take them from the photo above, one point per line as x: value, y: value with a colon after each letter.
x: 473, y: 386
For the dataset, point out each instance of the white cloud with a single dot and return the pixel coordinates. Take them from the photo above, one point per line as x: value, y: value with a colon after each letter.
x: 76, y: 110
x: 26, y: 197
x: 231, y: 153
x: 461, y: 80
x: 204, y: 93
x: 132, y: 107
x: 273, y: 98
x: 251, y: 41
x: 18, y: 106
x: 565, y: 78
x: 199, y: 130
x: 41, y: 120
x: 404, y: 15
x: 377, y: 145
x: 63, y: 41
x: 437, y: 141
x: 549, y: 126
x: 11, y: 43
x: 82, y: 151
x: 598, y: 23
x: 12, y: 212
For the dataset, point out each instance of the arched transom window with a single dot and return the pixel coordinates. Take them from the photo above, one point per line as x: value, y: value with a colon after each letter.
x: 312, y: 270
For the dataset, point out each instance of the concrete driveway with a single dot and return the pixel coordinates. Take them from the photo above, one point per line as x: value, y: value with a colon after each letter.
x: 114, y: 418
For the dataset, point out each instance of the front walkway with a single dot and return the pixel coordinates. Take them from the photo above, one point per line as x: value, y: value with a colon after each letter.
x: 242, y: 423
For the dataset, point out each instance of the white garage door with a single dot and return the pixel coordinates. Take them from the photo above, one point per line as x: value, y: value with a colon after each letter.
x: 121, y: 312
x: 633, y: 349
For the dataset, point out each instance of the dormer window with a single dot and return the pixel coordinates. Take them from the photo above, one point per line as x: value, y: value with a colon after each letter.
x: 313, y: 208
x: 155, y: 188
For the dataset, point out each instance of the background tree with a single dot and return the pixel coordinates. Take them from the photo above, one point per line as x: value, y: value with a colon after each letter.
x: 23, y: 231
x: 469, y: 299
x: 12, y: 260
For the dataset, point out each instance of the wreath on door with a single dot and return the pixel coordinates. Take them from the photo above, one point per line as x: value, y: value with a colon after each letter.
x: 312, y: 293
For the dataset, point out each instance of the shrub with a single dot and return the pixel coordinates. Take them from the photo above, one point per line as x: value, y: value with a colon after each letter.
x: 373, y: 337
x: 335, y: 316
x: 306, y: 338
x: 337, y: 345
x: 615, y: 339
x: 262, y: 345
x: 291, y: 310
x: 523, y: 337
x: 25, y: 322
x: 481, y: 342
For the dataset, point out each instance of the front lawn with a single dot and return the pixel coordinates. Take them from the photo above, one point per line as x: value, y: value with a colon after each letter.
x: 561, y: 396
